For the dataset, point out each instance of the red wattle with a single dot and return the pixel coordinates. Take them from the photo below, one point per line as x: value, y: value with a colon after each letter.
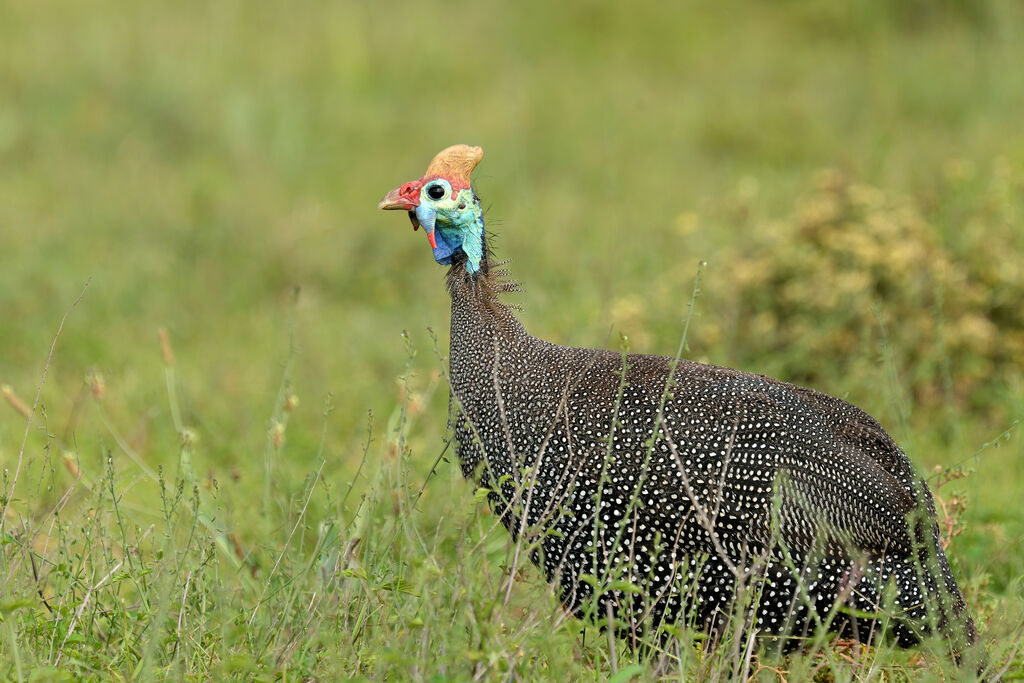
x: 433, y: 240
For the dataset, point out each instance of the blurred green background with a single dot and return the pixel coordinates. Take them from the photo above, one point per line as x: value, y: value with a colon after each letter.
x: 851, y: 172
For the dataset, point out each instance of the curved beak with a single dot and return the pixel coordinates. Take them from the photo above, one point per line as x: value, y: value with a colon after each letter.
x: 394, y: 200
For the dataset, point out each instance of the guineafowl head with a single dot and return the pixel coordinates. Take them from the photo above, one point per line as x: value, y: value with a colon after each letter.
x: 444, y: 204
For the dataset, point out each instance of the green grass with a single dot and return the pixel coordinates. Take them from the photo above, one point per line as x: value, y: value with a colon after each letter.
x: 196, y: 164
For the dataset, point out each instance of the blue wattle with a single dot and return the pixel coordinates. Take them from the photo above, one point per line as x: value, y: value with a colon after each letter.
x: 426, y: 217
x: 446, y: 246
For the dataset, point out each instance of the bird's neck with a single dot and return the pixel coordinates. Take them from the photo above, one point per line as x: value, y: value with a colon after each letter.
x: 483, y: 327
x: 479, y: 294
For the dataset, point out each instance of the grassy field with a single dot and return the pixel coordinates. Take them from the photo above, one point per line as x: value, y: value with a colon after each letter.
x: 239, y: 494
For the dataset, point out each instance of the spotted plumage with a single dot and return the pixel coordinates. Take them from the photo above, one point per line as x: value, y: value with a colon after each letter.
x: 650, y: 489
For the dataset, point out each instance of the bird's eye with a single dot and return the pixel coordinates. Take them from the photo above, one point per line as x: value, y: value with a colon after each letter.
x: 435, y: 191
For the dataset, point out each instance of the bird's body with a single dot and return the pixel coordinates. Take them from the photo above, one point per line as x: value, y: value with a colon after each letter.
x: 651, y: 489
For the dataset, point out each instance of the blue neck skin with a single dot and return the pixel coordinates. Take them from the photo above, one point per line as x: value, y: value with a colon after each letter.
x: 455, y: 229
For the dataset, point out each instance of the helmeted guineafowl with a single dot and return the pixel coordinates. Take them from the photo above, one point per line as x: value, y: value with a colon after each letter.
x: 651, y: 492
